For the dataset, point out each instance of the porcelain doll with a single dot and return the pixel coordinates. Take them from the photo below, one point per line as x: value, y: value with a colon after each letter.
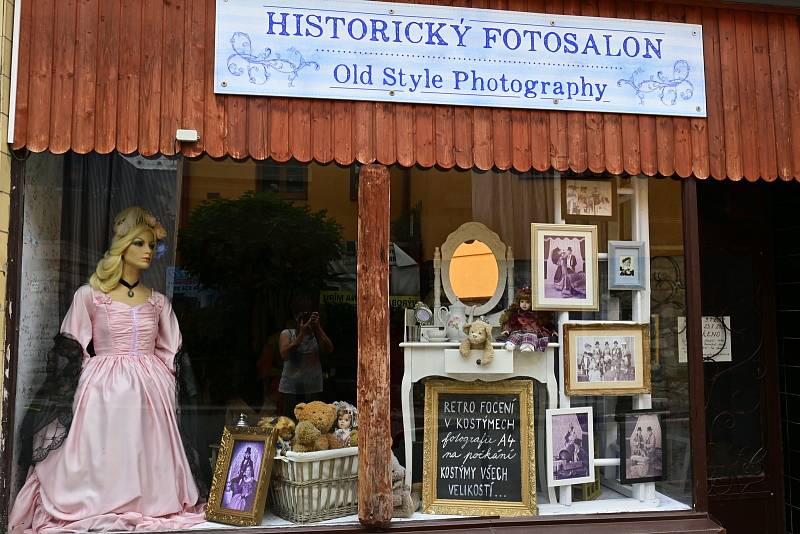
x: 521, y: 326
x: 346, y: 422
x: 112, y: 458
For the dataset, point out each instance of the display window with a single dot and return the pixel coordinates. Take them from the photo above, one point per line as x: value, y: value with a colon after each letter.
x: 188, y: 344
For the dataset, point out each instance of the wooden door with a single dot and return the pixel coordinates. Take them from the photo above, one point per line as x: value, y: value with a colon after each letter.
x: 745, y: 482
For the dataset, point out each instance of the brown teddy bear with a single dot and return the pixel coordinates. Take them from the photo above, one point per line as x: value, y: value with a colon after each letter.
x: 479, y: 336
x: 313, y: 430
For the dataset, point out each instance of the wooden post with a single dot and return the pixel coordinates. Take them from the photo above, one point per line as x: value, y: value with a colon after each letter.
x: 694, y: 337
x: 374, y: 435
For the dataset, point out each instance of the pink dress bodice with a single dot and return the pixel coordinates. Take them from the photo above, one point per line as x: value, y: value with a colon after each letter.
x: 118, y: 329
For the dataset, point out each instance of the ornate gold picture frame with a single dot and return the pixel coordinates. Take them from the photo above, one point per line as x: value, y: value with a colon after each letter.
x: 493, y: 483
x: 241, y: 477
x: 606, y: 358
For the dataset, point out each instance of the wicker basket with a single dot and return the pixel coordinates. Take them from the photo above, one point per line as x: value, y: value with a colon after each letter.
x: 315, y: 486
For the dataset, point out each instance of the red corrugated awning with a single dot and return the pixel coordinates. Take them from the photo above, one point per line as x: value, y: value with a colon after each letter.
x: 103, y: 75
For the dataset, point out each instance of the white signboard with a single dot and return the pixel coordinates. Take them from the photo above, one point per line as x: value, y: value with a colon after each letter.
x: 361, y: 50
x: 716, y: 339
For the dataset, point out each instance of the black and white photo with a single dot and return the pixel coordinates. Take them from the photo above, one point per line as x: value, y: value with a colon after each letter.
x: 570, y: 446
x: 583, y: 199
x: 606, y: 358
x: 626, y: 265
x: 565, y: 267
x: 641, y: 446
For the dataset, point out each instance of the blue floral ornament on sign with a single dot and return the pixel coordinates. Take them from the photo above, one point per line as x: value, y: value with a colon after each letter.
x: 667, y: 89
x: 258, y: 66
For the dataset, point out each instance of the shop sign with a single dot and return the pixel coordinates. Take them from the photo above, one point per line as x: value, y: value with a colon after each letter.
x: 716, y: 339
x: 379, y: 51
x: 349, y: 297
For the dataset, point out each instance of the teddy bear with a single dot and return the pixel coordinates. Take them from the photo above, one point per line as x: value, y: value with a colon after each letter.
x: 404, y: 501
x: 479, y: 336
x: 313, y: 430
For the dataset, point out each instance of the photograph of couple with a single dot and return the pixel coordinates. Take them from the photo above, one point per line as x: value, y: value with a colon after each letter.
x: 242, y: 480
x: 643, y: 448
x: 566, y: 271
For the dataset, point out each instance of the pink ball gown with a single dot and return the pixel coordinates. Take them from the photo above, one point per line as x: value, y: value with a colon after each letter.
x: 122, y: 466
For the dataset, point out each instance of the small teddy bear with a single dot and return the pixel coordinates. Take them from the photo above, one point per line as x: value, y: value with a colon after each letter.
x: 479, y: 336
x: 313, y: 430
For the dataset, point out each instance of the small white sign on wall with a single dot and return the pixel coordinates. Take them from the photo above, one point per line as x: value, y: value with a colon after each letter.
x: 393, y: 52
x: 716, y: 339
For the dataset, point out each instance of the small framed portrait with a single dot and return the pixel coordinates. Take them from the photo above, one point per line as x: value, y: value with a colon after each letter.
x: 626, y: 265
x: 606, y: 359
x: 238, y: 493
x: 570, y: 446
x: 588, y: 199
x: 641, y: 439
x: 564, y: 267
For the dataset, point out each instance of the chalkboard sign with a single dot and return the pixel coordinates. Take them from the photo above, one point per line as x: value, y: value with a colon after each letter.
x: 479, y: 448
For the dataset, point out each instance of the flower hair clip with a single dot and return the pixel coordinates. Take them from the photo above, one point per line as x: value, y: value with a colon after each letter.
x: 123, y: 226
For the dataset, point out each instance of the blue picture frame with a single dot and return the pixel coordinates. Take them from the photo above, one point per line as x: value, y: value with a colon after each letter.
x: 626, y: 265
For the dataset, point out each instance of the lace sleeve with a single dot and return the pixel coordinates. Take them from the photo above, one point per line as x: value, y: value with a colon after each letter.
x: 48, y: 416
x: 186, y: 396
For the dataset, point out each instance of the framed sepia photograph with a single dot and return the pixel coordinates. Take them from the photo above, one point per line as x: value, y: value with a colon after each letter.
x: 606, y: 359
x: 479, y: 451
x: 564, y: 267
x: 239, y: 485
x: 626, y: 265
x: 570, y: 446
x: 641, y: 440
x: 588, y: 199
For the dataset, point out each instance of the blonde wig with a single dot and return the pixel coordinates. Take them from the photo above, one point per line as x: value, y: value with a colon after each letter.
x: 128, y: 224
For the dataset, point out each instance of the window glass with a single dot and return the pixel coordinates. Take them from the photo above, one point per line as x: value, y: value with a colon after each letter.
x: 253, y: 312
x: 436, y: 203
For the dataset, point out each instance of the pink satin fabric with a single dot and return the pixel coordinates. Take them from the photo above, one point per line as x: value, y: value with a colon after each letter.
x: 122, y: 466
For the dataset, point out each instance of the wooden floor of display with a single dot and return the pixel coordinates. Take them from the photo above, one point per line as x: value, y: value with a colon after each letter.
x: 609, y: 502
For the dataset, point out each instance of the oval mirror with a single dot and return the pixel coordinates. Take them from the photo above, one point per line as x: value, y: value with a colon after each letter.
x: 474, y: 273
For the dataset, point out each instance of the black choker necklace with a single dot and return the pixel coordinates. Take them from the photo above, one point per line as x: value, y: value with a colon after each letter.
x: 129, y: 286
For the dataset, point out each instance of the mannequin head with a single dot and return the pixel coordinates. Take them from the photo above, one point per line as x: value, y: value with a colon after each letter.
x: 135, y: 231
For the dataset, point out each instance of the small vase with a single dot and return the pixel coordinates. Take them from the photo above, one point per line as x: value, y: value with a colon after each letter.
x: 454, y: 320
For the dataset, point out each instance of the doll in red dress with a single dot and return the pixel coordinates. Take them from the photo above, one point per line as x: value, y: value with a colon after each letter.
x: 522, y: 327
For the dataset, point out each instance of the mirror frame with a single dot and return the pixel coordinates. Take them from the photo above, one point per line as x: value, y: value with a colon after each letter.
x: 475, y: 231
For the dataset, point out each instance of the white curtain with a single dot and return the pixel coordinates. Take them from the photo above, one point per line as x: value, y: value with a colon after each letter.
x: 508, y: 203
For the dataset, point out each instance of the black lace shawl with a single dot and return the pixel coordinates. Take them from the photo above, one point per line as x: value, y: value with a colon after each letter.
x: 48, y: 416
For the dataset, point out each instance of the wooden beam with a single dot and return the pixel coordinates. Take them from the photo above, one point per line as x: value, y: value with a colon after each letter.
x: 694, y: 338
x: 374, y: 434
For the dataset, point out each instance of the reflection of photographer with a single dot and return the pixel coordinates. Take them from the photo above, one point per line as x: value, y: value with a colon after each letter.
x: 300, y: 348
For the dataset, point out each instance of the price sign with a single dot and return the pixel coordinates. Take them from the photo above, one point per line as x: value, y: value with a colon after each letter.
x: 479, y: 448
